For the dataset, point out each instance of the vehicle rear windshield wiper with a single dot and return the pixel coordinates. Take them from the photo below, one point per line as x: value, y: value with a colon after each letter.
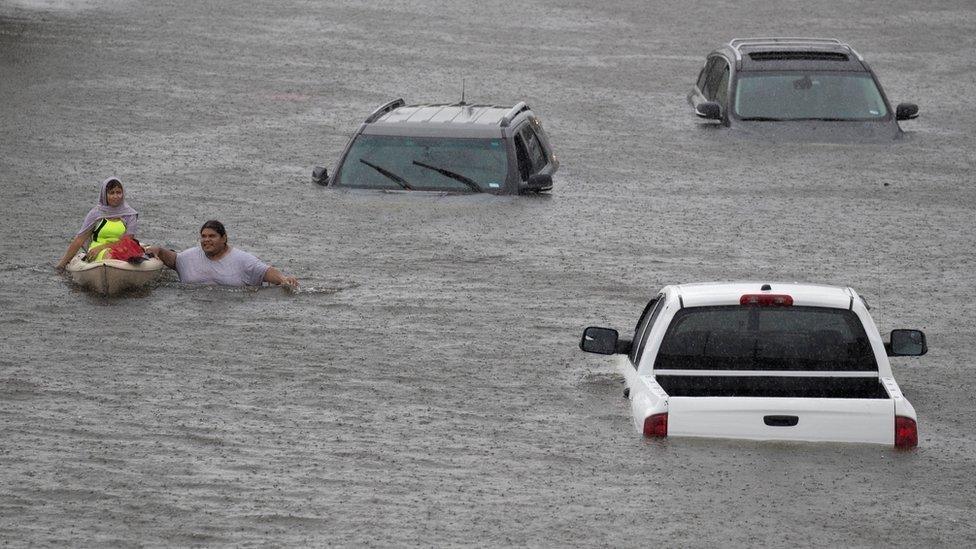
x: 455, y: 176
x: 400, y: 181
x: 825, y: 119
x: 814, y: 118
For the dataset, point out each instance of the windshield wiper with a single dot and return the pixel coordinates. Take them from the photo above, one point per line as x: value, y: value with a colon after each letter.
x: 763, y: 118
x: 400, y: 181
x: 455, y: 176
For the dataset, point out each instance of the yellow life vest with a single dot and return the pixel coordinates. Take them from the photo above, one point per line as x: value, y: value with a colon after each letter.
x: 106, y: 231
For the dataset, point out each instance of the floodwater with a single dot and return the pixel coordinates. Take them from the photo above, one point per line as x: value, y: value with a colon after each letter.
x: 424, y: 388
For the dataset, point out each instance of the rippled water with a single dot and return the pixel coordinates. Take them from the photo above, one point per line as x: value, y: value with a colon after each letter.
x: 424, y: 386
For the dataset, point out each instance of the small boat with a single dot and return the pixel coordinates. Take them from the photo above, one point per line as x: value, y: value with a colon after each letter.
x: 113, y: 276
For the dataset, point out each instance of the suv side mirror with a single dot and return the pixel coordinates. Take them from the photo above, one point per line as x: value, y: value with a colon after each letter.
x: 538, y: 182
x: 709, y: 110
x: 320, y: 175
x: 599, y: 340
x: 907, y: 343
x: 906, y: 111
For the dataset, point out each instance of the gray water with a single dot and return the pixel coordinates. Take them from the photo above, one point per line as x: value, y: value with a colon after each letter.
x: 424, y: 387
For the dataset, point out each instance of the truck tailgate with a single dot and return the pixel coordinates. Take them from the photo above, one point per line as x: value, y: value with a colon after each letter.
x: 765, y: 418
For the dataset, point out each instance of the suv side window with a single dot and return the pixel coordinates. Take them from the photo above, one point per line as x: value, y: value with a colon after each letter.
x: 722, y: 91
x: 643, y: 329
x: 537, y: 154
x: 703, y: 76
x: 717, y: 68
x: 522, y: 157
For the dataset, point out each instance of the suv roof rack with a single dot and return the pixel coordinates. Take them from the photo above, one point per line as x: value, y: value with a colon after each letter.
x: 518, y: 108
x: 385, y: 108
x: 736, y: 44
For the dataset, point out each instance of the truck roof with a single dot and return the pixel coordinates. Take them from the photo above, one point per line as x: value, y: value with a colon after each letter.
x: 728, y: 293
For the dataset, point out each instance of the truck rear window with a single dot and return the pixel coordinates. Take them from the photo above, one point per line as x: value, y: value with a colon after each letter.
x: 766, y: 338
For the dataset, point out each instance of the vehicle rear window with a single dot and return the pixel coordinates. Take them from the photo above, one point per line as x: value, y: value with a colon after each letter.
x: 766, y: 338
x: 798, y: 55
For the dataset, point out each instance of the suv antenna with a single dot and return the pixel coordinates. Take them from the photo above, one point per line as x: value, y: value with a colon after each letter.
x: 462, y: 92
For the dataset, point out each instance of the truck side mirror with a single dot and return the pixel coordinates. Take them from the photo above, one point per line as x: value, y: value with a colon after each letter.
x: 907, y: 343
x: 320, y: 175
x: 709, y: 110
x: 599, y: 340
x: 906, y: 111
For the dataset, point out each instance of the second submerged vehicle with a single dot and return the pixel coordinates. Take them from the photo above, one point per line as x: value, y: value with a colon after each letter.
x: 456, y: 148
x: 807, y: 87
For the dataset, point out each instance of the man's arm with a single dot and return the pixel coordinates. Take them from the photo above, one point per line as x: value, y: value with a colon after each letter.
x: 274, y: 276
x: 167, y: 256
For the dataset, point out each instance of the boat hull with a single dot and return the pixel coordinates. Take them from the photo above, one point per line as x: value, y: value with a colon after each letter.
x: 112, y: 276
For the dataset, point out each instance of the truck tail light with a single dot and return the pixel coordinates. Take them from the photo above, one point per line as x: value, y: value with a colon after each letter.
x: 656, y: 425
x: 906, y: 432
x: 767, y: 300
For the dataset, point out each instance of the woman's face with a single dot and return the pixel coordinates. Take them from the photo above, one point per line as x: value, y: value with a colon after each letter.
x: 114, y: 196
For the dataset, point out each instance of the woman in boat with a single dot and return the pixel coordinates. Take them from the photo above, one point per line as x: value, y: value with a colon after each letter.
x: 104, y: 225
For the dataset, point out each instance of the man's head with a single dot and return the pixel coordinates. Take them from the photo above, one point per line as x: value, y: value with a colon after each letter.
x: 213, y: 238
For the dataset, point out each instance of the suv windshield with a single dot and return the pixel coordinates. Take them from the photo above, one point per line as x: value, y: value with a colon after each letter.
x: 766, y: 338
x: 808, y: 96
x: 425, y: 164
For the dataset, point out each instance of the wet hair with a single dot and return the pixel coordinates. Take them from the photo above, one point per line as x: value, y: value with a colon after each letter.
x: 113, y: 184
x: 216, y: 226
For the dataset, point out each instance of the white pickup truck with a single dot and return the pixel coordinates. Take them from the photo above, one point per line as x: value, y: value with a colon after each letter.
x: 765, y: 362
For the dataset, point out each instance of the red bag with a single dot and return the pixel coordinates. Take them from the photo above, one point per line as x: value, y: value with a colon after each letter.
x: 127, y: 249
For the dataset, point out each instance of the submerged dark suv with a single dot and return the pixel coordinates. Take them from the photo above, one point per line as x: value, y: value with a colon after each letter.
x: 800, y: 85
x: 448, y: 148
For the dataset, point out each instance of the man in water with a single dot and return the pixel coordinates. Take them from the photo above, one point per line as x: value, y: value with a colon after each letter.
x: 214, y: 261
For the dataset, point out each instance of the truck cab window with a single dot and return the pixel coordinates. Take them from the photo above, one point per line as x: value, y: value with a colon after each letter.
x: 643, y: 330
x: 760, y: 338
